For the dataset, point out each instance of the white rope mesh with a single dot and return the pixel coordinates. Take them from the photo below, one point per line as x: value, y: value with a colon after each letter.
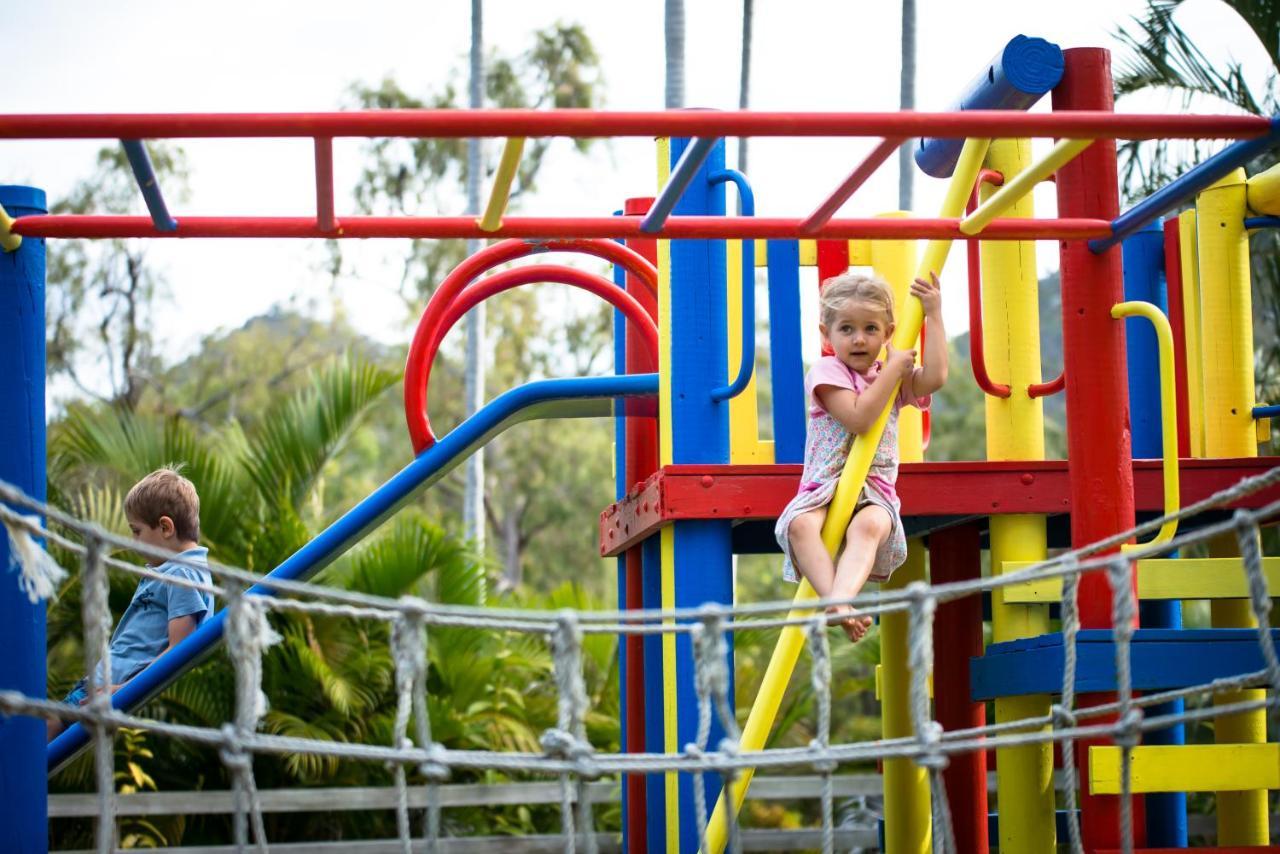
x: 566, y: 751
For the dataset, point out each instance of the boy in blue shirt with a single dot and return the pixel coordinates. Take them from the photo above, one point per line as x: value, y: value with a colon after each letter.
x: 163, y: 511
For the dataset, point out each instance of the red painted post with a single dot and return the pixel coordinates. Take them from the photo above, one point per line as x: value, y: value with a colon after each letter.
x: 1098, y: 442
x: 955, y: 554
x: 832, y: 260
x: 641, y: 460
x: 1178, y: 324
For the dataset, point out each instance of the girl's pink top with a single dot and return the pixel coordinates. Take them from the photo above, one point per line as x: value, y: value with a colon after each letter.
x: 828, y: 441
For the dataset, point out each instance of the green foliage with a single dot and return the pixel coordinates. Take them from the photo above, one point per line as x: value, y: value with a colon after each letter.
x: 100, y: 293
x: 1161, y: 55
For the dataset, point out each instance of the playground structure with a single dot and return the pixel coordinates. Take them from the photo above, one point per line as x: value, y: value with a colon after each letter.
x: 696, y: 483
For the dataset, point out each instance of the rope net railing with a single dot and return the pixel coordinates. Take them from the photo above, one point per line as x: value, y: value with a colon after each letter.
x: 567, y: 753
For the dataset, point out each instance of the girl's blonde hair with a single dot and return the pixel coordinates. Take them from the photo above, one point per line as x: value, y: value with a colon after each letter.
x: 854, y: 287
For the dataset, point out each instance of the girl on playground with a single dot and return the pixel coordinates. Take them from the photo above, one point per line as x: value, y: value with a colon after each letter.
x: 845, y: 394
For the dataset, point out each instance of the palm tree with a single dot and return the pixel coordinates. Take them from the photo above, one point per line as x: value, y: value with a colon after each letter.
x: 674, y: 36
x: 1161, y: 55
x: 328, y: 678
x: 907, y: 101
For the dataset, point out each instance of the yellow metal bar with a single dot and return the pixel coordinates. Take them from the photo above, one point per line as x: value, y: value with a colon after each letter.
x: 1190, y: 263
x: 1015, y: 431
x: 1188, y: 768
x: 1262, y: 192
x: 1226, y: 341
x: 666, y: 543
x: 502, y: 181
x: 9, y: 241
x: 1022, y: 184
x: 791, y: 640
x: 1168, y: 412
x: 1159, y: 578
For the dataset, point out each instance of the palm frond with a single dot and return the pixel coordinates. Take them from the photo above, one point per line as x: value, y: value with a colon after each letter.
x: 1163, y: 55
x: 287, y: 453
x: 400, y: 561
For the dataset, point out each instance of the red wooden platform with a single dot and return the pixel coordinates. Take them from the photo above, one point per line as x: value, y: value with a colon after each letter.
x: 927, y: 489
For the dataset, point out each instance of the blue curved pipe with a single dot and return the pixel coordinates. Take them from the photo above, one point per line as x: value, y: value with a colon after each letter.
x: 559, y: 398
x: 747, y: 365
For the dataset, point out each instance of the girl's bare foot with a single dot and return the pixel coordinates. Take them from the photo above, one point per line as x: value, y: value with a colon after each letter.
x: 850, y: 621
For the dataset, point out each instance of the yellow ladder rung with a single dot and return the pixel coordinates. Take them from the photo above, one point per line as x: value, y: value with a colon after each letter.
x: 1161, y: 578
x: 1188, y: 768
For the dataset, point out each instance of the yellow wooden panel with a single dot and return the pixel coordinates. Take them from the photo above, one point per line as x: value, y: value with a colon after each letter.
x: 1188, y: 768
x: 808, y: 253
x: 762, y: 253
x: 860, y: 253
x: 1163, y: 578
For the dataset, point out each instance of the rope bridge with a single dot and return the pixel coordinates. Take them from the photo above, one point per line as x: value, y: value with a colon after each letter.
x: 566, y: 750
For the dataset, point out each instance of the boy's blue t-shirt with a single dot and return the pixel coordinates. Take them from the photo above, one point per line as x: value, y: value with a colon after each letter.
x: 143, y: 632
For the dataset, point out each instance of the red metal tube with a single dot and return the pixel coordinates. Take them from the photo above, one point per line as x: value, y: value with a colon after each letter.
x: 419, y: 423
x: 324, y: 184
x: 977, y: 355
x: 850, y: 185
x: 1052, y: 387
x: 1178, y: 325
x: 1099, y: 124
x: 548, y: 228
x: 418, y: 366
x: 640, y: 458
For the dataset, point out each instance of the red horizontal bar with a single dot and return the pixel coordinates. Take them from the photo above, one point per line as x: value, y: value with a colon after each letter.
x: 726, y: 492
x: 594, y: 123
x: 759, y: 228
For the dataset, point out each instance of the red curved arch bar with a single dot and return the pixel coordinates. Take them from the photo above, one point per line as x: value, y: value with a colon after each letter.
x: 424, y: 348
x: 978, y: 358
x: 416, y: 372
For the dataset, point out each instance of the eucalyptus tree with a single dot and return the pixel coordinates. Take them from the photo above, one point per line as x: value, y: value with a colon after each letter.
x: 560, y: 69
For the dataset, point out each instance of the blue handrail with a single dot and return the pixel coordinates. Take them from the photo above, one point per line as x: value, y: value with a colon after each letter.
x: 746, y: 366
x: 1266, y: 412
x: 689, y: 164
x: 145, y: 175
x: 545, y: 398
x: 1186, y: 185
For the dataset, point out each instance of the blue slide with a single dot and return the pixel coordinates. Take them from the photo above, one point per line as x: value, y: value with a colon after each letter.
x: 582, y: 397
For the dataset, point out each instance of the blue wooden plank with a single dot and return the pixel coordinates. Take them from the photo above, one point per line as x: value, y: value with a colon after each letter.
x: 1160, y: 659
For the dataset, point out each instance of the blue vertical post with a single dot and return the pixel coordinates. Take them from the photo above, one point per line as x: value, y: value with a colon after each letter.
x: 1143, y: 254
x: 703, y: 550
x: 23, y: 803
x: 786, y: 366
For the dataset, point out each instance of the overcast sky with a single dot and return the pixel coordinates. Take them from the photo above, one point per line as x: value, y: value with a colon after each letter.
x: 236, y: 55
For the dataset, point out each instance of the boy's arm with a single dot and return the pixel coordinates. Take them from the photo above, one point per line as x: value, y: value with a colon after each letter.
x: 933, y: 363
x: 179, y: 628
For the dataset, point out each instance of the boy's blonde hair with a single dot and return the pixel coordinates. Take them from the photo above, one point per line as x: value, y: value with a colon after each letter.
x: 854, y: 287
x: 164, y: 492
